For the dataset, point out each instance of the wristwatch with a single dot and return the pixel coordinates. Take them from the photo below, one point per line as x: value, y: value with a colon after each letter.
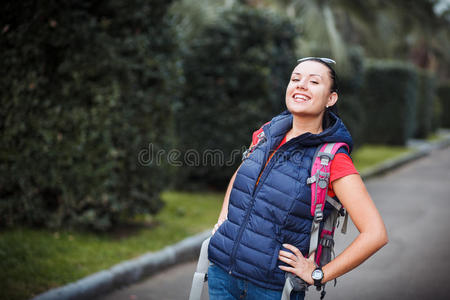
x: 317, y: 276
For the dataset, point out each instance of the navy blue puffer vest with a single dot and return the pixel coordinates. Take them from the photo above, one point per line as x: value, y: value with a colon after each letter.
x: 262, y: 217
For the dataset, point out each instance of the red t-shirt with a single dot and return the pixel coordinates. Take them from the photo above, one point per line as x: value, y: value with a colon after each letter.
x: 342, y: 163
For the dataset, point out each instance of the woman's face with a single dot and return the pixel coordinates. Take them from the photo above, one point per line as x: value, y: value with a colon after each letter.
x: 308, y: 91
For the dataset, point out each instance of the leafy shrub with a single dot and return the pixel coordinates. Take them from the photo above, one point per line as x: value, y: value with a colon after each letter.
x: 350, y: 105
x: 425, y: 104
x: 84, y: 92
x: 236, y: 71
x: 443, y: 92
x: 389, y: 96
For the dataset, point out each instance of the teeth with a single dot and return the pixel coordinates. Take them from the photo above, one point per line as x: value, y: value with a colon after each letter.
x: 301, y: 97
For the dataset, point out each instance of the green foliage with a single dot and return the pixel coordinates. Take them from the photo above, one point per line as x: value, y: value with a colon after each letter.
x: 84, y: 92
x: 350, y: 105
x: 389, y: 96
x: 443, y: 92
x: 425, y: 104
x: 33, y: 261
x: 236, y: 76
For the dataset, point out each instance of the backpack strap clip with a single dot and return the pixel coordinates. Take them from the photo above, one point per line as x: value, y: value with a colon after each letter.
x: 318, y: 214
x: 325, y: 157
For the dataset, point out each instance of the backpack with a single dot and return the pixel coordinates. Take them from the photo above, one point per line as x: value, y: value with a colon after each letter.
x: 321, y: 239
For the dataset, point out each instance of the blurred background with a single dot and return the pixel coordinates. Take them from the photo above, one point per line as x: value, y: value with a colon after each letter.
x: 86, y: 86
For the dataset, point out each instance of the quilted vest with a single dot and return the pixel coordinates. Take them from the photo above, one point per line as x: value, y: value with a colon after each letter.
x: 275, y: 211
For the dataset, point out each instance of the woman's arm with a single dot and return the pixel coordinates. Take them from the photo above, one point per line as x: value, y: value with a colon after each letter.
x: 353, y: 195
x: 224, y: 211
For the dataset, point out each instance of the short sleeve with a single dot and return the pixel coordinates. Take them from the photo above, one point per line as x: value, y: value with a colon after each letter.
x: 341, y: 166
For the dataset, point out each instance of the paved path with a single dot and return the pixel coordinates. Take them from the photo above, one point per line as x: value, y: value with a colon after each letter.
x: 415, y: 204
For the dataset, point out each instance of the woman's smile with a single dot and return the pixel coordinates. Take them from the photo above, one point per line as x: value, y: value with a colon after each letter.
x: 300, y: 97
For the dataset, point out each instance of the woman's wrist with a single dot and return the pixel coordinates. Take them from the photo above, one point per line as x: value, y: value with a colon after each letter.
x: 308, y: 276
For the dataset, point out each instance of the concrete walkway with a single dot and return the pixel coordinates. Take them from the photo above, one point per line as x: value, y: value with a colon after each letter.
x: 415, y: 204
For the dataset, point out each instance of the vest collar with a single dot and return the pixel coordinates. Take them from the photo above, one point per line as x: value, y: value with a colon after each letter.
x: 277, y: 128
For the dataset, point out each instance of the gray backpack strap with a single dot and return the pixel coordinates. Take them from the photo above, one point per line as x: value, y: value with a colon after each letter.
x: 292, y: 283
x: 327, y: 240
x: 201, y: 273
x: 338, y: 206
x: 334, y: 203
x: 344, y: 226
x: 315, y: 226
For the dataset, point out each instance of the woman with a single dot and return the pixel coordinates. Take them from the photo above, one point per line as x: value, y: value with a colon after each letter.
x: 264, y: 226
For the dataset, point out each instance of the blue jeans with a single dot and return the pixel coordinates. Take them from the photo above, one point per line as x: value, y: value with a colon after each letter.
x: 223, y: 286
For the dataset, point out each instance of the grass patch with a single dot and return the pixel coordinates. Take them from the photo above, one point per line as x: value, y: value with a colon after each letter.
x: 435, y: 137
x: 370, y: 155
x: 33, y: 261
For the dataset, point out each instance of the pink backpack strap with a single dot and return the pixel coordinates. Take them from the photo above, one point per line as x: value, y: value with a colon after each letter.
x: 320, y: 173
x: 319, y: 181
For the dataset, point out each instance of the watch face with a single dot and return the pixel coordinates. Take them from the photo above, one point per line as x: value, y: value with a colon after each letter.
x: 317, y: 274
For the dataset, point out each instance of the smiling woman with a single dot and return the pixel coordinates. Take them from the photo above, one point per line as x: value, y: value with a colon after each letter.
x: 309, y: 91
x: 264, y: 228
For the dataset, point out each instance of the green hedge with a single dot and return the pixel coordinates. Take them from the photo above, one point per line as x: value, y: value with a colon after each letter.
x: 443, y: 92
x: 425, y: 104
x: 350, y: 107
x: 236, y: 71
x: 85, y: 91
x: 389, y: 96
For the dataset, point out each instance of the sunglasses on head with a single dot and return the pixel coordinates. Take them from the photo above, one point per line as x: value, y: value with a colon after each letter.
x: 322, y: 59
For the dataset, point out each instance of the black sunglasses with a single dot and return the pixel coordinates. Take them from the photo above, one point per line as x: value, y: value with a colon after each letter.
x: 322, y: 59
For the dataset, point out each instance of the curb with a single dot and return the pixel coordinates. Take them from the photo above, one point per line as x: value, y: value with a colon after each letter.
x: 133, y: 270
x: 129, y: 271
x: 392, y: 164
x: 421, y: 151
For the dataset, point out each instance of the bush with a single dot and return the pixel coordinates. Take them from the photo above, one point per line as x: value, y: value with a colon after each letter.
x: 389, y: 96
x: 425, y: 104
x: 84, y: 92
x: 350, y: 106
x: 236, y: 76
x: 443, y: 93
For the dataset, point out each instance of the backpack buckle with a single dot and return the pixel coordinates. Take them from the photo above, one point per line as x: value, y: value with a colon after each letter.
x: 245, y: 154
x: 318, y: 214
x: 327, y: 241
x: 325, y: 158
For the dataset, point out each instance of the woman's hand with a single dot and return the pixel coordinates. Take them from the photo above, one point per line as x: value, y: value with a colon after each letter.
x: 219, y: 222
x: 300, y: 266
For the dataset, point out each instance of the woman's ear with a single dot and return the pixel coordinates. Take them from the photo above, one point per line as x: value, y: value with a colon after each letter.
x: 332, y: 99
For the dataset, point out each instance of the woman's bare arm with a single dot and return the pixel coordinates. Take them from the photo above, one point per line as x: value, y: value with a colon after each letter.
x: 224, y: 211
x: 353, y: 194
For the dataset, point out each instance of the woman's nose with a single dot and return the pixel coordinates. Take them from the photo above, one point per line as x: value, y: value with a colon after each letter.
x: 302, y: 84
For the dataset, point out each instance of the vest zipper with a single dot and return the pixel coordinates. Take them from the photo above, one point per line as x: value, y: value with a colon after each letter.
x: 265, y: 171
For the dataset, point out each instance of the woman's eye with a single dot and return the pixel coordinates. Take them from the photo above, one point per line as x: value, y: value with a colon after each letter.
x: 315, y: 82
